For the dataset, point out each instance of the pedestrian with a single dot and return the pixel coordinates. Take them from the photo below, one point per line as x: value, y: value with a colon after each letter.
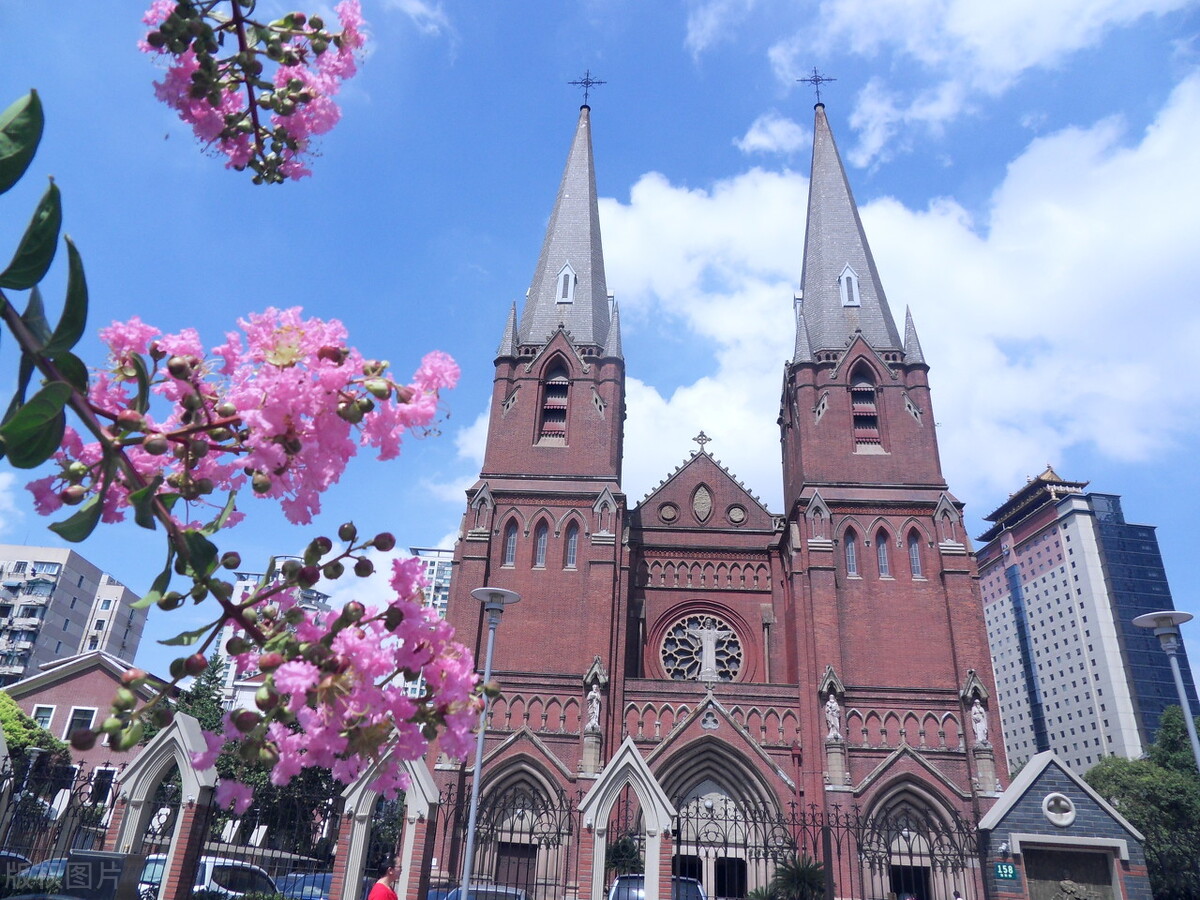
x: 385, y: 887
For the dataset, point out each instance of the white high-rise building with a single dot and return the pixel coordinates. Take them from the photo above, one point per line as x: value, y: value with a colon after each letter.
x: 54, y: 603
x: 1062, y: 576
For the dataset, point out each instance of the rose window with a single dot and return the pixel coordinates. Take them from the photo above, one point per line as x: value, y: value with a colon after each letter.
x: 701, y: 647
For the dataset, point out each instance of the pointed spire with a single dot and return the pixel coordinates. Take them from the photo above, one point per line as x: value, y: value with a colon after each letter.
x: 840, y: 285
x: 508, y: 341
x: 568, y: 285
x: 612, y: 344
x: 803, y: 348
x: 912, y: 346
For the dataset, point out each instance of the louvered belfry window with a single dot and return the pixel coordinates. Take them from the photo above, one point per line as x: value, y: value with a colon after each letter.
x: 864, y: 411
x: 555, y: 394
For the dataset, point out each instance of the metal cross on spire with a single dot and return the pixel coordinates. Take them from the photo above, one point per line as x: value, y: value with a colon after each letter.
x: 587, y: 82
x: 702, y: 439
x: 816, y: 79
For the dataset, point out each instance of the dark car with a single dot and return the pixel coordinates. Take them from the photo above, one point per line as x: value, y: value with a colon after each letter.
x: 11, y: 863
x: 633, y: 887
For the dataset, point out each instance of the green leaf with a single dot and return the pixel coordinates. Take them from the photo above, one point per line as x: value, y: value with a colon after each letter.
x: 82, y: 523
x: 216, y: 524
x: 158, y: 587
x: 202, y: 553
x: 34, y: 316
x: 70, y: 327
x: 143, y: 502
x: 72, y: 368
x: 20, y: 132
x: 187, y: 638
x: 36, y: 250
x: 35, y: 432
x: 141, y: 403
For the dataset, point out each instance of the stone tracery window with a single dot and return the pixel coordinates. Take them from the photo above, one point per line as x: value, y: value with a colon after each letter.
x: 701, y: 647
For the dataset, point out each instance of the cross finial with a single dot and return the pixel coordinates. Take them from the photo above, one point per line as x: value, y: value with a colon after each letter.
x: 702, y: 439
x: 587, y: 82
x: 816, y: 79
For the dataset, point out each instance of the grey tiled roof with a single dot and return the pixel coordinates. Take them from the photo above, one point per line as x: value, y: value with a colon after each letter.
x: 803, y: 350
x: 833, y: 239
x: 508, y: 340
x: 912, y: 345
x: 612, y: 346
x: 572, y: 238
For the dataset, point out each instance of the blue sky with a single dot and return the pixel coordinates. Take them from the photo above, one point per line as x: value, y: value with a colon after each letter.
x: 1026, y: 173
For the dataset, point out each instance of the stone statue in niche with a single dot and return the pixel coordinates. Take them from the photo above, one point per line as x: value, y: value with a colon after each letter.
x: 833, y: 718
x: 593, y: 709
x: 708, y: 637
x: 979, y: 722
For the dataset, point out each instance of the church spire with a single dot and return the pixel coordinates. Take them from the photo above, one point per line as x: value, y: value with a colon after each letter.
x: 568, y: 286
x: 840, y: 285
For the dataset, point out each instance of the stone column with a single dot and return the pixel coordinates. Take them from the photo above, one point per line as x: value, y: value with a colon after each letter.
x: 837, y: 774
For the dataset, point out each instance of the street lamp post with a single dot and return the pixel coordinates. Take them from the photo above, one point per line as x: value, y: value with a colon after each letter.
x: 494, y: 600
x: 1166, y: 628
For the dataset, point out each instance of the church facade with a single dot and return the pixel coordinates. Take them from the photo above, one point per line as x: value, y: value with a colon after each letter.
x: 698, y: 649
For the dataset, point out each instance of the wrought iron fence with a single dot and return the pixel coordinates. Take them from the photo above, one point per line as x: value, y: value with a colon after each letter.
x: 48, y: 809
x: 531, y: 841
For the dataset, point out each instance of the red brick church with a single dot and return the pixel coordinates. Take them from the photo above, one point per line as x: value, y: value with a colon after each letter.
x: 698, y: 651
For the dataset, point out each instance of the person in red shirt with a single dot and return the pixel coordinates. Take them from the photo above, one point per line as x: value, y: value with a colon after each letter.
x: 384, y: 888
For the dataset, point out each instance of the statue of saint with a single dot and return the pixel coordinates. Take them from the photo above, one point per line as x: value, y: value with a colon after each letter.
x: 708, y: 637
x: 593, y: 708
x: 833, y: 718
x: 979, y: 722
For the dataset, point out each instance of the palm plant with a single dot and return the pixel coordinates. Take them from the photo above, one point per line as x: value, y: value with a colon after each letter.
x: 798, y: 877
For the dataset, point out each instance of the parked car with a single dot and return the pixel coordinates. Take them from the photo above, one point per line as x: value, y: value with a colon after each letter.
x: 488, y: 892
x: 225, y: 877
x: 313, y: 886
x: 633, y: 887
x: 55, y: 867
x: 11, y: 863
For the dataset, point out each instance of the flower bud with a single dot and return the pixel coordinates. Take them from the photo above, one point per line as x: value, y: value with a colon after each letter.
x: 350, y: 412
x: 335, y: 355
x: 195, y: 664
x: 404, y: 394
x: 176, y: 668
x: 384, y: 541
x: 347, y: 531
x: 179, y: 367
x: 112, y: 725
x: 231, y: 560
x: 73, y: 495
x: 269, y: 662
x: 308, y: 576
x: 353, y: 611
x: 379, y: 387
x: 236, y: 646
x: 289, y: 569
x: 133, y: 677
x: 124, y: 699
x: 156, y: 445
x: 333, y: 570
x: 83, y: 739
x: 131, y: 420
x: 261, y: 482
x: 266, y: 698
x: 245, y: 721
x: 129, y: 738
x: 364, y: 567
x: 170, y: 600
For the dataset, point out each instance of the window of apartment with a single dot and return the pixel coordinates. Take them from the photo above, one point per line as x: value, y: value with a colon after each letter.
x: 46, y: 568
x: 106, y: 603
x: 102, y: 782
x: 93, y: 643
x: 81, y: 717
x: 99, y: 626
x: 43, y: 715
x: 18, y: 568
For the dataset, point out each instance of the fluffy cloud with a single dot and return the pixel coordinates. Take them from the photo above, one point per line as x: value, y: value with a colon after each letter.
x: 773, y: 133
x: 428, y: 18
x: 966, y: 46
x: 9, y: 508
x: 1028, y: 318
x: 708, y: 20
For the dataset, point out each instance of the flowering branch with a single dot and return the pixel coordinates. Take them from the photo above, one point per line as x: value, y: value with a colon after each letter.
x: 221, y: 96
x: 280, y: 407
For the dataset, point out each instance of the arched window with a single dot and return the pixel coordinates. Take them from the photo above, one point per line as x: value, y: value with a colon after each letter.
x: 865, y: 412
x: 851, y: 553
x: 881, y: 554
x: 848, y: 284
x: 914, y: 554
x: 566, y: 284
x: 541, y: 536
x: 510, y: 544
x: 571, y: 552
x: 552, y: 429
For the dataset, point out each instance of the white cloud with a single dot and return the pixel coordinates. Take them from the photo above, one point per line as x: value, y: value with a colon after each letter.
x: 1063, y: 320
x: 709, y: 20
x: 773, y: 133
x: 968, y: 47
x: 429, y: 18
x: 9, y: 510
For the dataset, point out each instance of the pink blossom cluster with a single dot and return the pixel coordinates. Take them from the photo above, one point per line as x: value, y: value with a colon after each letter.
x: 345, y: 706
x: 220, y: 98
x: 282, y: 404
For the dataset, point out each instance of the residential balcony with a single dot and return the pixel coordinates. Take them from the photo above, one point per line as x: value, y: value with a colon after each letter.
x: 27, y: 622
x: 11, y: 669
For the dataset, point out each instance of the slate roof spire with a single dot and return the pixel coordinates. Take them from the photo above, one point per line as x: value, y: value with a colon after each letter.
x: 840, y: 285
x: 568, y: 285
